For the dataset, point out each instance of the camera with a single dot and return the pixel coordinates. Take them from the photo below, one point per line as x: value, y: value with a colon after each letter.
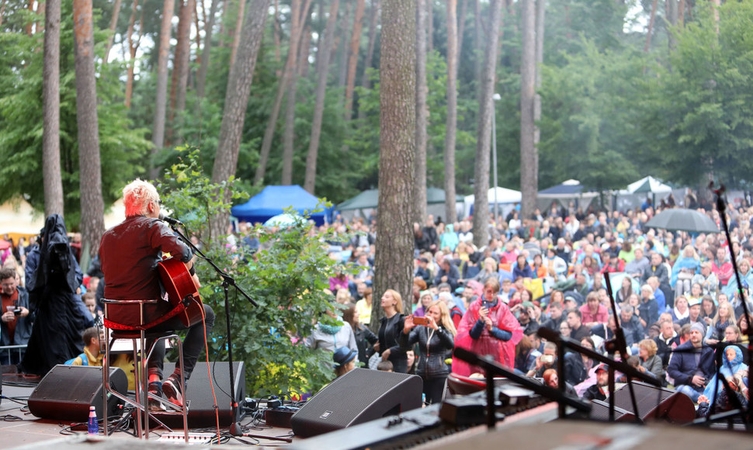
x: 17, y: 311
x: 421, y: 321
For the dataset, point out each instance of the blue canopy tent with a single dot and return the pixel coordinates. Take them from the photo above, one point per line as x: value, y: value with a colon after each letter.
x: 273, y: 200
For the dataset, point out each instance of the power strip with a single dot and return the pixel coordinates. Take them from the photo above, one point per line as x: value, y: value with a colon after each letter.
x: 178, y: 437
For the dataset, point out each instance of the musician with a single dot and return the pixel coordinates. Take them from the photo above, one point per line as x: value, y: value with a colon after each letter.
x: 129, y: 253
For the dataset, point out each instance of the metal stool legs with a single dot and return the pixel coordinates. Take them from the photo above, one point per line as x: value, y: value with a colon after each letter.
x: 140, y: 402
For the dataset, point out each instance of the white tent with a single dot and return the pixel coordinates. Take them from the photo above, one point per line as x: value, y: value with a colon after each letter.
x: 649, y: 184
x: 116, y: 214
x: 18, y: 218
x: 504, y: 196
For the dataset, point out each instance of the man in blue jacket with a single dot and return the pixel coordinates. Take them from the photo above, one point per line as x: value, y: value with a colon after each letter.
x: 692, y: 364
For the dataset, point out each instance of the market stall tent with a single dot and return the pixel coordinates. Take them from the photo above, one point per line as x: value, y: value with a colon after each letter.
x: 273, y: 200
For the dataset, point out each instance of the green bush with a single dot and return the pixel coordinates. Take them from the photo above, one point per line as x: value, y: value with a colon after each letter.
x: 286, y: 278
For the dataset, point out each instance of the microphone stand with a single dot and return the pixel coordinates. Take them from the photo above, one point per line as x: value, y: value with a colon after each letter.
x: 621, y: 346
x: 492, y: 367
x: 227, y: 281
x: 720, y: 206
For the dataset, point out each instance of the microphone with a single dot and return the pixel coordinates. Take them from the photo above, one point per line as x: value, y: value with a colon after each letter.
x: 170, y: 220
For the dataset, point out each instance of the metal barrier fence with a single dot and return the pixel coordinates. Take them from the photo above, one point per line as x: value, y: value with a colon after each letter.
x: 7, y: 350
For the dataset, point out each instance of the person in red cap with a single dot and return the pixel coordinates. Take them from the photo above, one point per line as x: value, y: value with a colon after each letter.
x: 599, y: 391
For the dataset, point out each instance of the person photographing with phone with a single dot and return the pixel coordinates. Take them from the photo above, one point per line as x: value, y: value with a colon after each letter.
x: 15, y: 323
x: 435, y: 336
x: 488, y: 328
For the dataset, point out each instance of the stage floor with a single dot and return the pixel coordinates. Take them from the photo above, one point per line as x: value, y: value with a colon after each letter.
x: 20, y: 429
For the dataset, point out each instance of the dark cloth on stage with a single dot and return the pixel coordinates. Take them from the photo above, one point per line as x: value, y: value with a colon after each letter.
x: 60, y: 315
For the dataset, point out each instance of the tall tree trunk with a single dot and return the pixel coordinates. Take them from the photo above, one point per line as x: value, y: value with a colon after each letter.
x: 276, y: 31
x: 461, y: 24
x: 394, y: 242
x: 269, y: 133
x: 236, y: 102
x: 197, y: 35
x: 180, y: 72
x: 160, y: 100
x: 715, y: 8
x: 651, y: 21
x: 113, y: 27
x: 452, y: 113
x: 53, y: 180
x: 672, y: 17
x: 429, y: 26
x: 343, y: 57
x: 3, y: 4
x: 367, y: 63
x: 304, y: 51
x: 478, y: 46
x: 324, y: 53
x: 288, y: 134
x: 527, y: 93
x: 238, y: 31
x: 355, y: 44
x: 39, y: 13
x: 133, y: 45
x: 92, y: 205
x: 422, y: 112
x: 540, y: 34
x: 483, y: 139
x: 201, y: 77
x: 681, y: 13
x: 30, y: 24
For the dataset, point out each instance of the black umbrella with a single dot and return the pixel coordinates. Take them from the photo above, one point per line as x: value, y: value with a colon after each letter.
x: 678, y: 219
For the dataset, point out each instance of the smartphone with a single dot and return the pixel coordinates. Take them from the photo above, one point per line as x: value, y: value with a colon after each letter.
x: 420, y: 321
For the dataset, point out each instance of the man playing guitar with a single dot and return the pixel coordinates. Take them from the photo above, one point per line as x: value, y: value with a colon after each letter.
x: 130, y: 253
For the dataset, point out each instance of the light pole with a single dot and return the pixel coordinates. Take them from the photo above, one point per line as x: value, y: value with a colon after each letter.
x: 496, y: 98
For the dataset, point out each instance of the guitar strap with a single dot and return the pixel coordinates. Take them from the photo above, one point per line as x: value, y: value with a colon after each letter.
x: 169, y: 315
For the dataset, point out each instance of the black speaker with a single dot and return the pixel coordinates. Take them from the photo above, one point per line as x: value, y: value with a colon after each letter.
x: 600, y: 411
x: 359, y: 396
x: 656, y: 403
x: 199, y: 395
x: 67, y: 392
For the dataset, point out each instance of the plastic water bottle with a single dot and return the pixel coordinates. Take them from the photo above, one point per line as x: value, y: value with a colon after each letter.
x: 93, y: 423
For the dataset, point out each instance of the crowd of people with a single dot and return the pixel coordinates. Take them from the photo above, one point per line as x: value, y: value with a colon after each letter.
x: 677, y: 299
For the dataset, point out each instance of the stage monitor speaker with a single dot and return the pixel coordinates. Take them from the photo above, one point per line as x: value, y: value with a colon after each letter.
x: 199, y: 395
x: 67, y: 392
x: 654, y: 403
x: 359, y: 396
x: 600, y: 411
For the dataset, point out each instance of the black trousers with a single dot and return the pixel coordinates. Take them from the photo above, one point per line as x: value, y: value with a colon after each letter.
x: 434, y: 389
x: 192, y: 344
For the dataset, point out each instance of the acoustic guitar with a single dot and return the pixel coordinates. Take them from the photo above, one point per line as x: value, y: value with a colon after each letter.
x: 181, y: 290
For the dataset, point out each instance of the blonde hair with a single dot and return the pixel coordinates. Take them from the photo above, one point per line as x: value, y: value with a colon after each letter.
x: 343, y: 296
x: 445, y: 319
x: 137, y: 195
x: 399, y: 298
x: 650, y: 346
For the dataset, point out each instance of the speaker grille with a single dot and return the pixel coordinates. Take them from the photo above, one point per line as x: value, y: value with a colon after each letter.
x: 357, y: 397
x: 201, y: 411
x: 656, y: 402
x: 67, y: 392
